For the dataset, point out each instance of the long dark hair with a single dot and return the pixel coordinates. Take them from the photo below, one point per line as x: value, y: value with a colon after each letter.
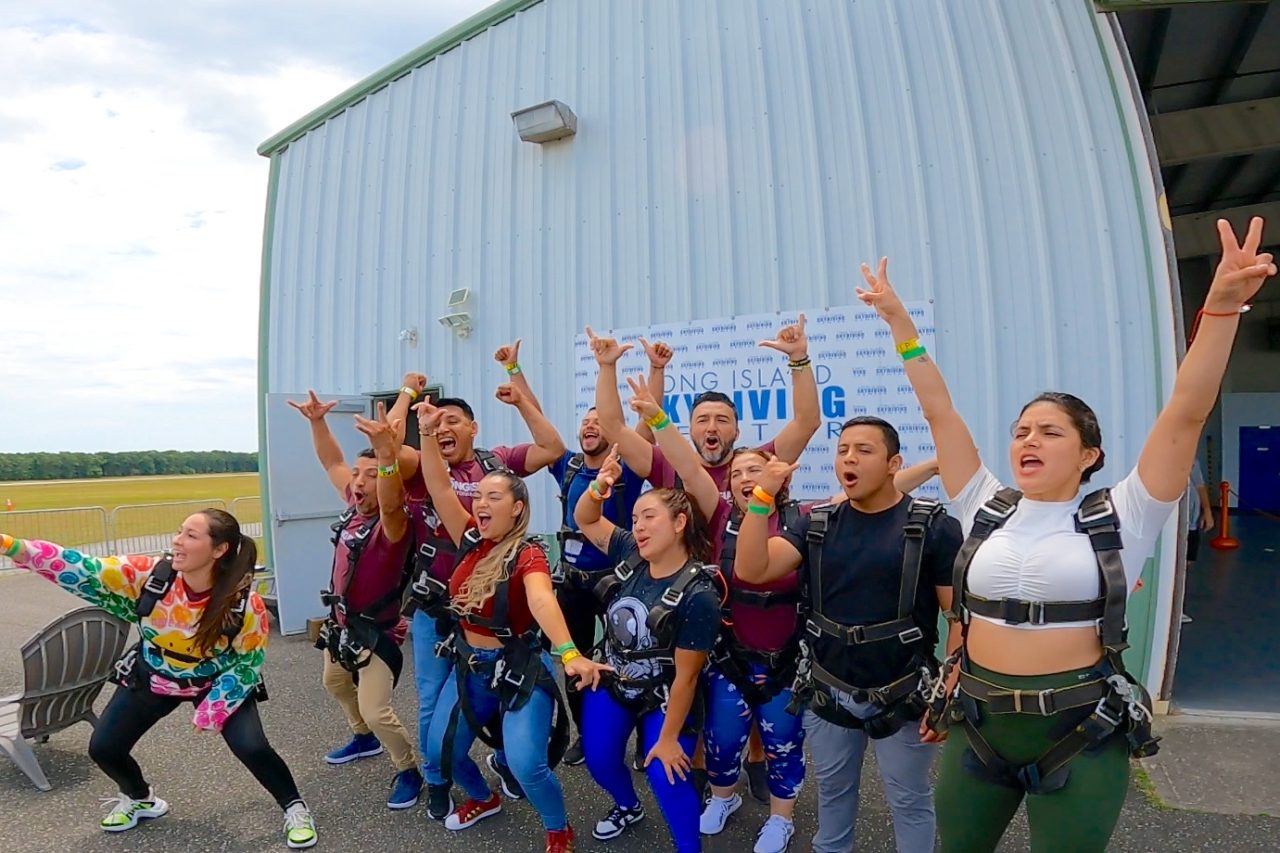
x: 696, y: 537
x: 231, y: 573
x: 491, y: 569
x: 1083, y: 418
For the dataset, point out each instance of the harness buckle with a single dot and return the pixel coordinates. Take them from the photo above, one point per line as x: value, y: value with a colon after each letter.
x: 1102, y: 712
x: 1044, y: 700
x: 811, y: 627
x: 154, y: 585
x: 1011, y: 611
x: 428, y: 550
x: 911, y: 635
x: 1103, y: 510
x: 1036, y: 613
x: 672, y: 597
x: 998, y: 511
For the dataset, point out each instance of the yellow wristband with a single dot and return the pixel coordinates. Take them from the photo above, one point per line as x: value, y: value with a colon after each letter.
x: 389, y: 470
x: 907, y: 346
x: 413, y: 395
x: 570, y: 655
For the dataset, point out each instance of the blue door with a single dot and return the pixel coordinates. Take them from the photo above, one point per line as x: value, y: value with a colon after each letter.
x: 1260, y: 468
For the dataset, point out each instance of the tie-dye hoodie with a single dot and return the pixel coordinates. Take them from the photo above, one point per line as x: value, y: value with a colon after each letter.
x: 115, y: 583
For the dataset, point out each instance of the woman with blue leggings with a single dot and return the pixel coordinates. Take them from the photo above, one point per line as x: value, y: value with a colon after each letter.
x: 662, y: 617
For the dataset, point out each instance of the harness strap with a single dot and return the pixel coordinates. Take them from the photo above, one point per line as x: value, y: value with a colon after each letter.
x: 1046, y: 703
x: 882, y: 696
x: 991, y: 517
x: 1097, y: 517
x: 904, y: 630
x: 1018, y: 612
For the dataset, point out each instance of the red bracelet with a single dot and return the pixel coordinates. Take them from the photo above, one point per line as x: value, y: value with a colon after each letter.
x: 1195, y: 326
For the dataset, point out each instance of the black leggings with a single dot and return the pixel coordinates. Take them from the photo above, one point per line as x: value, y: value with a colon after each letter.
x: 132, y: 712
x: 581, y: 611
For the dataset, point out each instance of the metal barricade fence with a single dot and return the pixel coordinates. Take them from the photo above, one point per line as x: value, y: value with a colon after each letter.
x: 149, y: 528
x: 86, y: 528
x: 248, y: 511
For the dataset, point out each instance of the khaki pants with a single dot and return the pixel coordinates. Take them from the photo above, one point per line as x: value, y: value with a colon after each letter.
x: 368, y: 706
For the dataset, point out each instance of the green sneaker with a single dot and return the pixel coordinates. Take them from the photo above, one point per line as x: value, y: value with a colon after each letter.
x: 126, y: 812
x: 299, y: 827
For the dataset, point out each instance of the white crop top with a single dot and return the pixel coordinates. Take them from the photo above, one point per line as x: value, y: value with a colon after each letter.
x: 1038, y: 555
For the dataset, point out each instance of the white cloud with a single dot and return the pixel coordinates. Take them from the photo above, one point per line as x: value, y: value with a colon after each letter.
x: 132, y: 202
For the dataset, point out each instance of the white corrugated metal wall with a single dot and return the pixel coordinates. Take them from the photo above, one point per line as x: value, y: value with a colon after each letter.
x: 737, y: 157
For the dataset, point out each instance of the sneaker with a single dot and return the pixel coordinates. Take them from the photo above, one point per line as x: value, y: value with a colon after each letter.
x: 299, y: 827
x: 510, y: 784
x: 775, y: 835
x: 361, y: 746
x: 573, y: 755
x: 560, y: 840
x: 472, y: 812
x: 716, y: 812
x: 439, y: 801
x: 616, y: 822
x: 405, y: 788
x: 125, y: 812
x: 758, y: 780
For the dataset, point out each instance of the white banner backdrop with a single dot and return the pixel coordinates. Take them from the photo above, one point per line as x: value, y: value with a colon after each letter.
x: 854, y: 361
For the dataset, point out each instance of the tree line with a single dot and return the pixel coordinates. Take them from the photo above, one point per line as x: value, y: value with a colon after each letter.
x: 134, y: 463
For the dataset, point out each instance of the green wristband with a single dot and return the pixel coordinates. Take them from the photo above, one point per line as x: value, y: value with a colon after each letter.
x: 564, y: 647
x: 757, y: 509
x: 914, y: 352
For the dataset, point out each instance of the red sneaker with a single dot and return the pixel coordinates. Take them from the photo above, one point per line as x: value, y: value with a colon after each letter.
x: 472, y: 812
x: 560, y: 840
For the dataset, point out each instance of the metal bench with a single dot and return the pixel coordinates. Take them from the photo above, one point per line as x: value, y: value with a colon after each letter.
x: 65, y: 667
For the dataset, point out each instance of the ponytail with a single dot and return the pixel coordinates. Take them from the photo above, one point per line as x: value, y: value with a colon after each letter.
x: 232, y: 574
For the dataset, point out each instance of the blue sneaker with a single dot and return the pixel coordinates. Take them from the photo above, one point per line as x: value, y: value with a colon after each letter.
x: 361, y: 746
x: 405, y: 789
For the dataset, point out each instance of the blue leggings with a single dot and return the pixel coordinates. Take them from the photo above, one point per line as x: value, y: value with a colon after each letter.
x: 604, y: 742
x: 729, y: 724
x: 525, y: 733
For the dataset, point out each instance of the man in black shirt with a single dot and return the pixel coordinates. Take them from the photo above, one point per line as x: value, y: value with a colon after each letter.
x: 865, y: 682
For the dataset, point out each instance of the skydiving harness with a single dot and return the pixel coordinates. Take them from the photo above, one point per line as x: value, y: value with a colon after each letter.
x: 564, y: 571
x: 354, y: 644
x: 731, y: 658
x: 900, y: 702
x: 429, y: 593
x: 132, y: 669
x: 663, y: 624
x: 1118, y: 703
x: 513, y: 675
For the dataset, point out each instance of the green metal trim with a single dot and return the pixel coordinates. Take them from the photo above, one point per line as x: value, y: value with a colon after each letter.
x: 264, y: 350
x: 1131, y: 5
x: 446, y: 41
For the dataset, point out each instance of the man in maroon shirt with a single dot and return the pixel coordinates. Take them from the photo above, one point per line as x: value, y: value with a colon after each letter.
x: 365, y: 628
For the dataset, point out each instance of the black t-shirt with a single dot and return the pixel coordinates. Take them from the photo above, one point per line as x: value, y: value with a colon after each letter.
x: 626, y: 621
x: 861, y: 577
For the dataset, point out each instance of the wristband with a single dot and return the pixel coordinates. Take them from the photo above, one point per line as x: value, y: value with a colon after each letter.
x: 596, y: 495
x: 914, y: 352
x: 800, y: 364
x: 513, y: 369
x: 413, y: 395
x: 758, y: 509
x: 389, y: 470
x: 658, y: 422
x: 13, y: 546
x: 907, y: 346
x: 762, y: 496
x: 569, y: 656
x: 564, y: 647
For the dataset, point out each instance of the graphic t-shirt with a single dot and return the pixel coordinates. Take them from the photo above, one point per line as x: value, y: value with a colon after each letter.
x: 626, y: 621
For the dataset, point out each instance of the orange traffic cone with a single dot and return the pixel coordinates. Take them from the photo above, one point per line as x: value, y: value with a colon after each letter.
x: 1224, y: 540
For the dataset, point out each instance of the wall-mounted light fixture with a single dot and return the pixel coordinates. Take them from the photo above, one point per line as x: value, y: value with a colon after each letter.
x: 458, y: 317
x: 409, y: 336
x: 545, y: 122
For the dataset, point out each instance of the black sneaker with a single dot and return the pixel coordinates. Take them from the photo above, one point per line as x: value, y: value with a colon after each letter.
x: 758, y: 780
x: 573, y: 755
x: 439, y: 801
x: 510, y: 785
x: 616, y: 822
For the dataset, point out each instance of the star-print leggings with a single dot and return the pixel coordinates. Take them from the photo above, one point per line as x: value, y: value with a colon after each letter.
x: 729, y: 724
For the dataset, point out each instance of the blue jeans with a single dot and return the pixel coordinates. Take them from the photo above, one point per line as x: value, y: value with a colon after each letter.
x: 604, y: 741
x: 729, y: 724
x: 429, y: 673
x: 525, y: 733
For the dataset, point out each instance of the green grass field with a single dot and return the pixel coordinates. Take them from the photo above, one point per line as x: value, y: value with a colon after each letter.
x: 45, y: 510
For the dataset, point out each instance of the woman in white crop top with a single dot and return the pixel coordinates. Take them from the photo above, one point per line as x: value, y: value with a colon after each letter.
x: 1011, y: 707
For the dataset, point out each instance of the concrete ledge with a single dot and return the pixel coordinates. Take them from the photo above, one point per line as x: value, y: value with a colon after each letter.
x: 1219, y: 765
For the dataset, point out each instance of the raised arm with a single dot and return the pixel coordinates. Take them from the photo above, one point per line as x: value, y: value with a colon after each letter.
x: 958, y: 457
x: 435, y: 474
x: 806, y: 419
x: 589, y: 511
x: 678, y: 450
x: 634, y: 449
x: 112, y: 583
x: 382, y: 436
x: 909, y: 479
x: 548, y: 446
x: 761, y: 558
x: 659, y: 354
x: 1165, y: 463
x: 242, y: 670
x: 327, y: 449
x: 412, y: 388
x: 508, y: 355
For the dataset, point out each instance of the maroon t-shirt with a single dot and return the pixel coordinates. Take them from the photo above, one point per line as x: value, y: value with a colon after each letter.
x: 663, y: 476
x: 765, y: 629
x: 531, y: 560
x: 466, y: 477
x: 378, y: 572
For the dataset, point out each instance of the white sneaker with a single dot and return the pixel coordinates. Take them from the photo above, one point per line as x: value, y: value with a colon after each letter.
x: 125, y: 812
x: 299, y: 827
x: 717, y: 811
x: 775, y: 835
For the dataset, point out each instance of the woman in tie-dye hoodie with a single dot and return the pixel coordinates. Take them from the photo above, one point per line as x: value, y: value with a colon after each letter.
x: 203, y: 642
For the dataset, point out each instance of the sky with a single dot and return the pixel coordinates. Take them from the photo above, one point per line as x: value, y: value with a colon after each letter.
x: 132, y: 202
